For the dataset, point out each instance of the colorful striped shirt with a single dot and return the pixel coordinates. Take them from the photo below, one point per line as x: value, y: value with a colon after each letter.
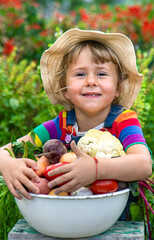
x: 120, y: 122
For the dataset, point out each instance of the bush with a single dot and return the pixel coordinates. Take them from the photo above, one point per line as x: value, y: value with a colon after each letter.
x: 22, y: 26
x: 144, y: 104
x: 23, y: 102
x: 9, y: 213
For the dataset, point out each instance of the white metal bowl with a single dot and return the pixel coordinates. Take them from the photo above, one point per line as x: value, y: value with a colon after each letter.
x: 73, y: 216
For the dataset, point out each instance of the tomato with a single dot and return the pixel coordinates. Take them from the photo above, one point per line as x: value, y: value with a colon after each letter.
x: 104, y: 186
x: 52, y: 167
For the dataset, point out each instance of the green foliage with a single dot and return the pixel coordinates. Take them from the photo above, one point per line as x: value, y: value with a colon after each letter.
x: 23, y: 103
x: 133, y: 186
x: 134, y: 21
x: 144, y: 104
x: 9, y: 213
x: 22, y: 26
x: 138, y: 212
x: 25, y: 149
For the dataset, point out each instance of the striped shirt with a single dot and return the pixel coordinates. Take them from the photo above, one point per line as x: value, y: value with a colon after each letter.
x: 120, y: 122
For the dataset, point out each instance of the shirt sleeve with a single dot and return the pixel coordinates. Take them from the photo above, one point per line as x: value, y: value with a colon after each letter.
x: 46, y: 131
x: 127, y: 129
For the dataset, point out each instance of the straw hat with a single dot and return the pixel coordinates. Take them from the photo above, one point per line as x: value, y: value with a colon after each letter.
x: 119, y: 43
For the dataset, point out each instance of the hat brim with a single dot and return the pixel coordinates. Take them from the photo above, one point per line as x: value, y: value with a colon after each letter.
x: 119, y: 43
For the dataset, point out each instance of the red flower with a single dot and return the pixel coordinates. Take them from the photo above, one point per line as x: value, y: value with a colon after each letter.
x: 84, y: 14
x: 135, y: 11
x: 44, y: 33
x: 17, y: 4
x: 107, y: 15
x: 134, y: 37
x: 148, y: 29
x: 18, y: 22
x: 8, y: 47
x: 122, y: 14
x: 148, y: 10
x: 11, y: 3
x: 34, y: 26
x: 93, y: 24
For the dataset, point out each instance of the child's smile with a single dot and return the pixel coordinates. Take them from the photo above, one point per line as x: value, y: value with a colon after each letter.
x: 91, y: 87
x: 91, y: 94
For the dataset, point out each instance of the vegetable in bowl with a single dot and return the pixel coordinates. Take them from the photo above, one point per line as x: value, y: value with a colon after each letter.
x: 100, y: 144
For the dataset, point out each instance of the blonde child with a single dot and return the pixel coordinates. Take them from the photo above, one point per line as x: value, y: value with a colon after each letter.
x: 94, y: 76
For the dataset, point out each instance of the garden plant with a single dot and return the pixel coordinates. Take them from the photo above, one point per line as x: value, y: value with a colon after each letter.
x: 24, y: 34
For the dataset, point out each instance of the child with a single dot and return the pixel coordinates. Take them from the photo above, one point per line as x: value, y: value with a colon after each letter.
x: 94, y: 76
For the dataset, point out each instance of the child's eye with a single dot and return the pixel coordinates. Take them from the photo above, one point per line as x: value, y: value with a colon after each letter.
x: 101, y: 74
x: 80, y: 74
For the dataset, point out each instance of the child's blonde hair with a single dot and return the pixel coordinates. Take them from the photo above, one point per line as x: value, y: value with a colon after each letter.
x: 100, y: 53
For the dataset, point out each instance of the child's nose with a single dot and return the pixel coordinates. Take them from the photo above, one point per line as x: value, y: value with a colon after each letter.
x: 91, y: 80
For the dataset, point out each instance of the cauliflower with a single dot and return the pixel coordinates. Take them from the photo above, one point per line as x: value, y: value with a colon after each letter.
x: 100, y: 144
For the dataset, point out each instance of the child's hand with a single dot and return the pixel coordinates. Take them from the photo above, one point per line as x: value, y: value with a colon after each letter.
x: 77, y: 174
x: 18, y: 173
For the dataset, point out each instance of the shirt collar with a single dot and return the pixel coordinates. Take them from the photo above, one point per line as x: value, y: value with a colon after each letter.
x: 115, y: 111
x: 113, y: 114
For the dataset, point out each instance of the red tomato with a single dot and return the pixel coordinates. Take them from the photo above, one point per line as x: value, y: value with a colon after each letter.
x: 52, y: 167
x: 104, y: 186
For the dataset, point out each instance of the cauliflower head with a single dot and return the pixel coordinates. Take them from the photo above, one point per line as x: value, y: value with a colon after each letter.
x: 100, y: 144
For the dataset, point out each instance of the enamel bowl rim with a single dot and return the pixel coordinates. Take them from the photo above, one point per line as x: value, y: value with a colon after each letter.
x: 96, y: 196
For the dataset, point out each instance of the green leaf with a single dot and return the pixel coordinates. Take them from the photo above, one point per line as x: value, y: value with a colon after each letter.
x: 32, y: 150
x: 134, y: 188
x: 25, y: 155
x: 25, y: 149
x: 14, y: 103
x: 136, y: 211
x: 32, y: 134
x: 18, y: 148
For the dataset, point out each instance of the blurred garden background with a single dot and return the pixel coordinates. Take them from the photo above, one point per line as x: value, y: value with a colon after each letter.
x: 28, y: 27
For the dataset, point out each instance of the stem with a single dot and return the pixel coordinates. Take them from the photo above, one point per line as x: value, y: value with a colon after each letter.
x: 150, y: 180
x: 146, y: 185
x: 147, y: 215
x: 143, y: 196
x: 142, y: 202
x: 11, y: 152
x: 25, y: 150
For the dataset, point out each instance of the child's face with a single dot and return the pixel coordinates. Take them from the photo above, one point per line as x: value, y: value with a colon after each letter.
x: 91, y: 87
